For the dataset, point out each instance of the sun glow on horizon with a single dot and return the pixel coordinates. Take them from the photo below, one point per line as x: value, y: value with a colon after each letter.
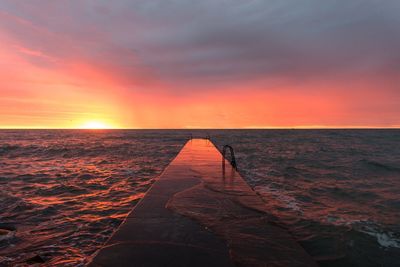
x: 96, y: 125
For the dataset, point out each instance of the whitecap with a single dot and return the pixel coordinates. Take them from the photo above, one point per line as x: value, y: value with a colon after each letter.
x: 385, y: 239
x: 285, y: 199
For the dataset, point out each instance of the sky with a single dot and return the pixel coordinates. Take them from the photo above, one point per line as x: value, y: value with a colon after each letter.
x: 199, y: 64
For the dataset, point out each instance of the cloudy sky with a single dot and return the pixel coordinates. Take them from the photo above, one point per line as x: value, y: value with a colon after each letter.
x: 209, y: 63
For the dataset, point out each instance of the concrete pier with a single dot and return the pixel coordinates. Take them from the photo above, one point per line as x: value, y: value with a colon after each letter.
x: 200, y: 212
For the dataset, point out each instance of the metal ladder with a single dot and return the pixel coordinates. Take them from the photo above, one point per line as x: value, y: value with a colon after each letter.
x: 233, y: 159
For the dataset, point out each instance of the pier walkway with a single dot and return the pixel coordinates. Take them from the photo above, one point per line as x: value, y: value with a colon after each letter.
x: 200, y: 212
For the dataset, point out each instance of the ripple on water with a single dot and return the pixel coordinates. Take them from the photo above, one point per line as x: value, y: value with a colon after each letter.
x: 67, y: 193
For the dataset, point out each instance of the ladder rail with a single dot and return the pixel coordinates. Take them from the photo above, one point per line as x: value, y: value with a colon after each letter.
x: 233, y: 159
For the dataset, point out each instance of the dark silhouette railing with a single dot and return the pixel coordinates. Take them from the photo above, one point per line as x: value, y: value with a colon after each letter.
x: 233, y: 159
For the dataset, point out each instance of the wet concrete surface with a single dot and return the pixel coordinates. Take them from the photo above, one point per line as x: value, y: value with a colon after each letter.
x: 200, y: 212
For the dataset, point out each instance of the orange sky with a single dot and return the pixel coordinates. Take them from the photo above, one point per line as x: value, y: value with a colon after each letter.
x: 69, y: 71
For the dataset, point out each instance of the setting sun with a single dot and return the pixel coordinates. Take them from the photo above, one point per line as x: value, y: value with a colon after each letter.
x: 96, y: 125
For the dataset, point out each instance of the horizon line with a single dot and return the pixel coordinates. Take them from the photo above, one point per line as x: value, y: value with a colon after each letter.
x: 211, y: 128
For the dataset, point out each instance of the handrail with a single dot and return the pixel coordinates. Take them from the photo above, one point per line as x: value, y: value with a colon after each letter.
x: 233, y: 159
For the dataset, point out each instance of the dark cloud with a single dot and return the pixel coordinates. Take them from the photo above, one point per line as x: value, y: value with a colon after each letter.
x: 207, y: 42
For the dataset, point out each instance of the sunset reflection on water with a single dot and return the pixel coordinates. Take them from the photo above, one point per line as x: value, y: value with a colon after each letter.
x: 66, y: 191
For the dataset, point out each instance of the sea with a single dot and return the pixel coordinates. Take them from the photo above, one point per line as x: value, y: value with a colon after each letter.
x: 64, y: 192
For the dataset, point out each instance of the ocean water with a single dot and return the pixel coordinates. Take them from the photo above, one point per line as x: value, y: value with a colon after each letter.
x: 336, y: 191
x: 64, y: 192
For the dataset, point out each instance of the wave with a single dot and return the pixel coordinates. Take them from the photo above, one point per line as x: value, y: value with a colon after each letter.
x: 378, y: 166
x: 387, y: 239
x: 62, y: 181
